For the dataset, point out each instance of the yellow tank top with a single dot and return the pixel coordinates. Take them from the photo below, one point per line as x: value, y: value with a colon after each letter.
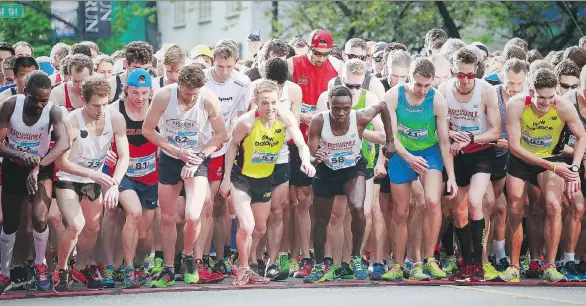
x: 541, y: 135
x: 259, y: 151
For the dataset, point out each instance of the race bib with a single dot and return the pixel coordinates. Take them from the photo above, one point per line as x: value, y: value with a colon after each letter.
x: 340, y: 160
x: 142, y: 166
x: 416, y: 134
x: 92, y: 163
x: 307, y: 109
x: 264, y: 157
x: 541, y: 142
x: 31, y: 147
x: 183, y: 139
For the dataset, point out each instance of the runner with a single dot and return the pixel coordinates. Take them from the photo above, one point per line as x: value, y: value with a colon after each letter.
x: 418, y: 113
x: 279, y: 227
x: 271, y: 49
x: 58, y: 52
x: 104, y: 65
x: 343, y: 170
x: 91, y: 130
x: 311, y: 72
x: 474, y: 123
x: 300, y: 46
x: 253, y: 149
x: 8, y: 73
x: 378, y: 51
x: 27, y: 169
x: 138, y: 54
x: 173, y: 60
x: 568, y: 76
x: 202, y: 54
x: 398, y: 64
x: 22, y: 67
x: 23, y: 49
x: 69, y: 94
x: 535, y: 127
x: 192, y: 128
x: 442, y: 68
x: 434, y: 40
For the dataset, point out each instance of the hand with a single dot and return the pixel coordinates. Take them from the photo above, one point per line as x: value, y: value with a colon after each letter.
x: 563, y: 170
x: 503, y: 143
x: 451, y: 188
x: 307, y: 168
x: 320, y: 156
x: 305, y: 118
x: 456, y: 147
x: 225, y: 187
x: 111, y: 159
x: 111, y: 197
x: 254, y: 46
x: 30, y: 160
x: 462, y: 137
x: 188, y: 156
x: 389, y: 149
x: 188, y: 171
x: 31, y: 181
x: 379, y: 170
x: 572, y: 187
x: 418, y: 163
x: 103, y: 179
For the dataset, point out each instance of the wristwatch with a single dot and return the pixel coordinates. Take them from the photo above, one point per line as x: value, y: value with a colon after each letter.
x: 574, y: 168
x: 201, y: 155
x: 471, y: 137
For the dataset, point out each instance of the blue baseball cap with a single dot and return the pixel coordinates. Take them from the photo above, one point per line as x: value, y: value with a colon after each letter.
x: 139, y: 78
x: 46, y: 67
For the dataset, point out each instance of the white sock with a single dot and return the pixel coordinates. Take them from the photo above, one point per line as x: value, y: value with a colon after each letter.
x: 40, y: 245
x: 568, y: 256
x: 499, y: 248
x: 6, y: 248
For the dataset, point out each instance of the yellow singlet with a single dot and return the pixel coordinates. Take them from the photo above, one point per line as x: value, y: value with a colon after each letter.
x: 541, y: 135
x: 259, y: 151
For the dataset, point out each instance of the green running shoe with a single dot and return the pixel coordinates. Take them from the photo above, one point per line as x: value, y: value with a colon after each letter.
x: 524, y: 264
x: 157, y: 266
x: 416, y: 273
x: 166, y: 278
x: 346, y: 271
x: 333, y: 272
x: 358, y: 268
x: 317, y: 275
x: 551, y: 274
x: 284, y: 262
x: 395, y: 274
x: 450, y: 265
x: 490, y: 273
x: 190, y: 274
x: 293, y: 267
x: 511, y: 275
x: 431, y: 268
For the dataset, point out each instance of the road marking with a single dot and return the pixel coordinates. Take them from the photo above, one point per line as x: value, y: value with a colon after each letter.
x: 516, y: 295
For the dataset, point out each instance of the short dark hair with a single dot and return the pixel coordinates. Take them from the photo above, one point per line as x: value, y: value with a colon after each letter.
x: 4, y: 46
x: 25, y: 61
x: 515, y: 52
x: 392, y: 47
x: 276, y: 69
x: 36, y: 80
x: 298, y: 42
x: 192, y: 76
x: 80, y: 61
x: 435, y: 38
x: 516, y: 65
x: 567, y: 67
x: 95, y: 85
x: 543, y: 78
x: 291, y: 51
x: 9, y: 62
x: 516, y: 41
x: 533, y: 55
x: 464, y: 55
x: 577, y: 55
x: 339, y: 91
x: 81, y: 49
x: 337, y: 52
x: 275, y: 45
x: 139, y: 52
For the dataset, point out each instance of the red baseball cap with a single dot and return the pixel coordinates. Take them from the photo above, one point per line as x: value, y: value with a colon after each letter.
x: 321, y: 38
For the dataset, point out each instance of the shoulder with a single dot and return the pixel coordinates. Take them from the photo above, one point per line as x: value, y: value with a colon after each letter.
x: 115, y: 105
x: 392, y: 94
x: 293, y: 88
x: 241, y: 79
x: 247, y: 120
x: 8, y: 105
x: 116, y: 115
x: 371, y: 97
x: 516, y: 102
x: 444, y: 86
x: 318, y: 118
x: 163, y: 94
x: 563, y: 103
x: 71, y: 118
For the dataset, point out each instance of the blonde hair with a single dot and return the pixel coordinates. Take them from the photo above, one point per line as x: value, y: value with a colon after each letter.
x: 355, y: 66
x: 174, y: 54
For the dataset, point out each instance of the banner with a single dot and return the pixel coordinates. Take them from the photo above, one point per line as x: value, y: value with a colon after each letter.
x: 97, y: 19
x: 67, y: 10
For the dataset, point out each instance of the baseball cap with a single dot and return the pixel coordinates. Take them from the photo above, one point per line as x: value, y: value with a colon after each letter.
x: 319, y: 36
x: 378, y: 48
x: 139, y: 78
x: 480, y: 46
x: 201, y: 50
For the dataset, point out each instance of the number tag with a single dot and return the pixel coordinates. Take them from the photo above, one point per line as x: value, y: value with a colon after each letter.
x: 264, y: 157
x: 92, y: 163
x: 142, y: 166
x: 184, y: 139
x: 340, y: 160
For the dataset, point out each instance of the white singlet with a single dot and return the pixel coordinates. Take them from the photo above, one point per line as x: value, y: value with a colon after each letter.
x: 343, y: 151
x: 189, y: 129
x: 285, y: 104
x: 466, y: 117
x: 234, y: 96
x: 33, y: 139
x: 88, y: 151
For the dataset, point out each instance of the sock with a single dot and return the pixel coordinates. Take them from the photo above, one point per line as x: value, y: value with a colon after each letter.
x: 6, y: 248
x: 227, y: 251
x: 159, y: 254
x: 40, y: 245
x: 448, y: 239
x: 569, y: 256
x: 477, y: 228
x: 499, y: 249
x: 464, y: 237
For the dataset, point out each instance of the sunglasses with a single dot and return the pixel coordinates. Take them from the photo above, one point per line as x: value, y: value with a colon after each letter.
x: 568, y: 86
x: 322, y: 54
x: 360, y: 57
x: 353, y: 86
x: 378, y: 59
x: 469, y: 76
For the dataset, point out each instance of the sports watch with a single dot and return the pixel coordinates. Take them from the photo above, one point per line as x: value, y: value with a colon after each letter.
x: 574, y: 168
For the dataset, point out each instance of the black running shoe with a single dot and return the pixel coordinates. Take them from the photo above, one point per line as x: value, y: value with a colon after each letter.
x: 220, y: 267
x: 61, y: 280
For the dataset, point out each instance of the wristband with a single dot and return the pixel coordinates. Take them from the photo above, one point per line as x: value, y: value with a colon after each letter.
x: 555, y: 165
x: 471, y: 137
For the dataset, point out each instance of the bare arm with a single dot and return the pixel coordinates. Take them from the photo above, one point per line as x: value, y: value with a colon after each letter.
x: 493, y: 117
x: 377, y: 134
x: 440, y: 107
x: 119, y: 127
x: 112, y: 81
x: 315, y: 127
x: 6, y: 110
x: 391, y: 99
x: 214, y: 109
x: 569, y: 114
x: 158, y: 105
x: 293, y: 129
x: 60, y: 135
x: 365, y: 116
x: 241, y: 129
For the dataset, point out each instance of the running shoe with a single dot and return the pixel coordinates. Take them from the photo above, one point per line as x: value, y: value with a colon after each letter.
x: 317, y: 274
x: 5, y: 283
x: 96, y: 270
x: 490, y: 272
x: 166, y: 278
x: 242, y: 275
x: 346, y: 272
x: 395, y: 274
x: 140, y: 275
x: 190, y: 274
x: 41, y: 281
x: 275, y: 273
x: 206, y: 261
x: 551, y: 274
x: 206, y: 276
x: 306, y: 266
x: 462, y: 275
x: 19, y: 276
x: 261, y: 267
x: 378, y: 270
x: 284, y: 262
x: 157, y: 266
x: 256, y: 278
x: 503, y: 264
x: 450, y: 265
x: 130, y: 280
x: 85, y: 277
x: 333, y: 272
x: 220, y: 267
x: 108, y: 281
x: 358, y: 268
x: 431, y: 268
x: 476, y: 273
x: 416, y: 273
x: 61, y: 280
x: 293, y: 266
x: 523, y: 264
x: 582, y: 267
x: 511, y: 274
x: 149, y: 262
x: 535, y: 270
x: 492, y: 260
x: 570, y: 272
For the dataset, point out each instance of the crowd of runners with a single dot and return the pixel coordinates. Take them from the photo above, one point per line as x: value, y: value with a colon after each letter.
x: 363, y: 161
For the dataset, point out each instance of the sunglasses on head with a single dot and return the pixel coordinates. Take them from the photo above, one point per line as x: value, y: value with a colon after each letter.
x: 568, y: 86
x: 353, y: 86
x: 469, y: 76
x: 322, y: 54
x: 360, y: 57
x: 378, y: 59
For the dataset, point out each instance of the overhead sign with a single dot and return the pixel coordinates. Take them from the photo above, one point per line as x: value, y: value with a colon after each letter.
x: 11, y: 11
x: 97, y: 19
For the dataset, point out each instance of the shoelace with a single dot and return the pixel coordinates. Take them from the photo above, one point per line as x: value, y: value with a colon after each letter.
x: 534, y: 266
x: 109, y: 274
x: 41, y: 271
